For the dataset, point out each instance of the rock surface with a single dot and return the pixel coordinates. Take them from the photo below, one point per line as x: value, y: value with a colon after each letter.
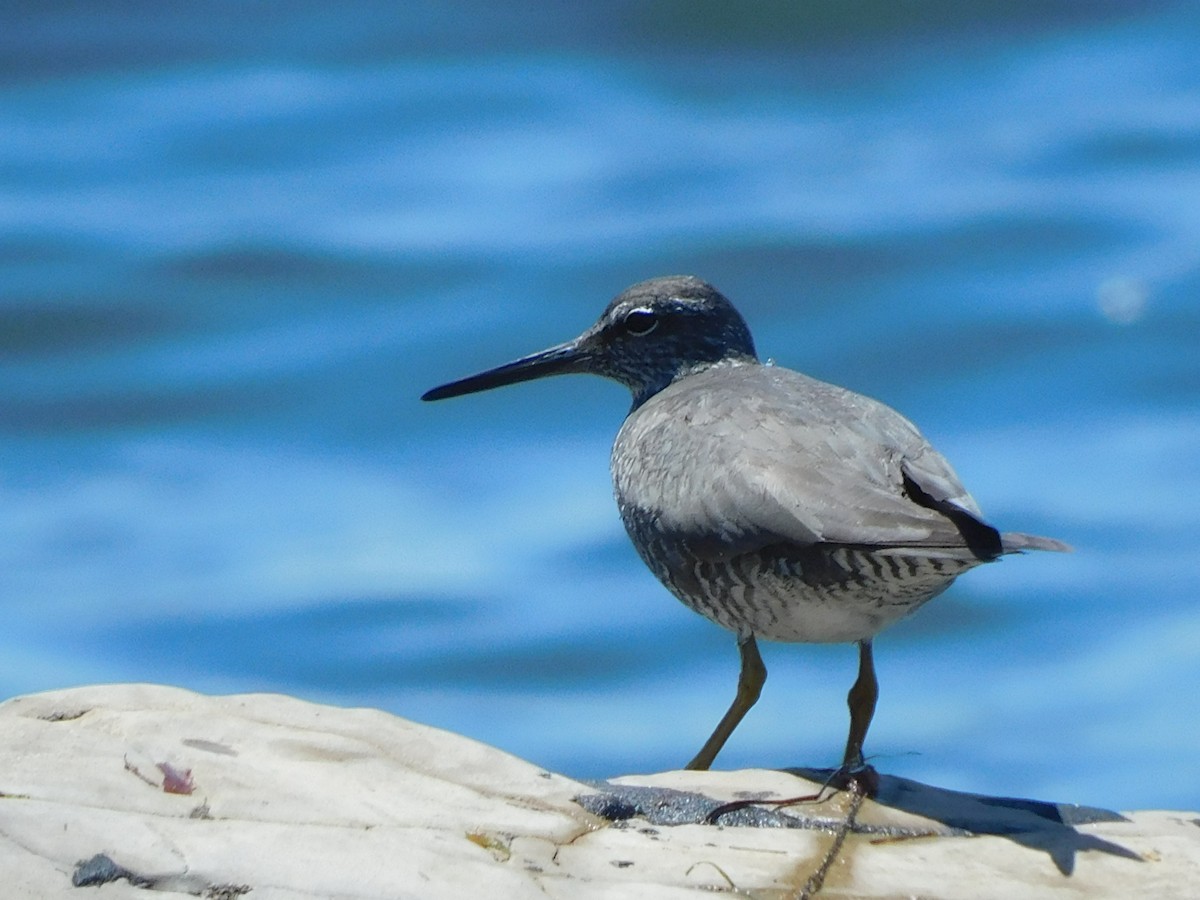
x: 116, y: 791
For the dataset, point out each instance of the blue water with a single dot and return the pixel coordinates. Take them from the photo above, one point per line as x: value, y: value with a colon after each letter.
x: 237, y: 241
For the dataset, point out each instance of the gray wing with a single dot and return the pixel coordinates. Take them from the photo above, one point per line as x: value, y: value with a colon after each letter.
x: 739, y: 457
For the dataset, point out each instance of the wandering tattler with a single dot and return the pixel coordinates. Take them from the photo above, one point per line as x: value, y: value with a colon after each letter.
x: 776, y: 505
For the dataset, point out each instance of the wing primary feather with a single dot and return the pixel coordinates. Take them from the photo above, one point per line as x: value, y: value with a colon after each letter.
x: 981, y: 539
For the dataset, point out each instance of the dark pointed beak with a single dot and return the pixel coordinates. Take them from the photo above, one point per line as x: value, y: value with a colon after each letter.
x: 558, y: 360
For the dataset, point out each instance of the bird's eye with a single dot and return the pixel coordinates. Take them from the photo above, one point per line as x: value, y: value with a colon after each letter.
x: 640, y: 322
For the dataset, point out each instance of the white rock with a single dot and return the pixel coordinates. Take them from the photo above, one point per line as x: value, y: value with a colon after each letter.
x: 295, y: 800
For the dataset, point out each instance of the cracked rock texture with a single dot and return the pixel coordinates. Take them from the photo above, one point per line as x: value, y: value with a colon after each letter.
x: 143, y: 791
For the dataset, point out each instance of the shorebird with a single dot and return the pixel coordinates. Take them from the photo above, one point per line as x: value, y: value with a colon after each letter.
x: 778, y: 506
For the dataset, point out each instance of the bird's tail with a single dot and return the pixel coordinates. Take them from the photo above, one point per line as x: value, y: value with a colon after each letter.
x: 1016, y: 542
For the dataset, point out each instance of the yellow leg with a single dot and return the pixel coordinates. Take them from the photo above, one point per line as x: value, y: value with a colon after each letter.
x: 750, y: 683
x: 861, y: 701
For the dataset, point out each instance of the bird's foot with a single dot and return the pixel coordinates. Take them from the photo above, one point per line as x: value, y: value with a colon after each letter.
x: 859, y: 779
x: 714, y: 815
x: 856, y: 779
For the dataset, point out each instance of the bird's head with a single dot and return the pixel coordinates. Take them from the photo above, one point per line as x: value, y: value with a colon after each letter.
x: 648, y: 336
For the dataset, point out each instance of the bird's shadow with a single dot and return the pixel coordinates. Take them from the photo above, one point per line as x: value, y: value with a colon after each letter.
x: 1036, y: 824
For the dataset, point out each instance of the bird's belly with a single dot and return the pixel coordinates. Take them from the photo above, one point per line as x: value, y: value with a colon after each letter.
x: 850, y: 595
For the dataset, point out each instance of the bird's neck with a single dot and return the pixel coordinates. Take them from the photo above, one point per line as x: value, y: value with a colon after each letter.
x: 643, y: 392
